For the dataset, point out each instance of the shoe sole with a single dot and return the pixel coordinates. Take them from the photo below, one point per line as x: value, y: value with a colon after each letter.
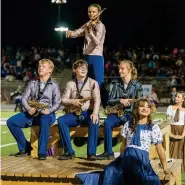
x: 107, y: 158
x: 66, y: 158
x: 20, y: 155
x: 90, y: 159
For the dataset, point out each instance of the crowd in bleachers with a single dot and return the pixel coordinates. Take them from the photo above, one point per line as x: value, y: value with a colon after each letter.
x: 21, y: 63
x: 149, y: 63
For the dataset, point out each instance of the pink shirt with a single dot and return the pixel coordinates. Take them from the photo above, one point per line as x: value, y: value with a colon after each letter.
x: 93, y: 44
x: 91, y: 88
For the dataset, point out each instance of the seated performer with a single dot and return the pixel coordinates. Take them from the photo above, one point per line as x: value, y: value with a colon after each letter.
x: 133, y: 166
x: 80, y: 88
x: 38, y: 94
x: 122, y: 95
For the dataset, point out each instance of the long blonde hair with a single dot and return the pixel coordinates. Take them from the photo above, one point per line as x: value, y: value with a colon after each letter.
x: 132, y: 68
x: 135, y: 114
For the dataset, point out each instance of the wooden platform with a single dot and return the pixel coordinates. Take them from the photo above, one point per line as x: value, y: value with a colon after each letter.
x: 26, y: 170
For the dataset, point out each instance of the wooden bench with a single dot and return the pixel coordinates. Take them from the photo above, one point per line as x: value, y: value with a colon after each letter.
x: 83, y: 132
x: 55, y: 137
x: 28, y: 171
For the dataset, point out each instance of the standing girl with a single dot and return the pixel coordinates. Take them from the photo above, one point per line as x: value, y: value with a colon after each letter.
x: 93, y: 45
x: 177, y: 115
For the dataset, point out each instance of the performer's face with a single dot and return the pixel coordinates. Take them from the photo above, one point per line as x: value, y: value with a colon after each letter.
x: 92, y: 11
x: 44, y: 69
x: 124, y: 70
x: 81, y: 71
x: 144, y: 110
x: 179, y: 98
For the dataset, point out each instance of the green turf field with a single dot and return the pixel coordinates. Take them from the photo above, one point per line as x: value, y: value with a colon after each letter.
x: 8, y: 144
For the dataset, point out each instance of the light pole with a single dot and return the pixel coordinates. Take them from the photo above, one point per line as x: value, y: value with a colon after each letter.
x: 59, y: 2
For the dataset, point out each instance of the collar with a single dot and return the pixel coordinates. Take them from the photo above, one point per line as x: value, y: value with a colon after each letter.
x: 49, y: 81
x: 80, y: 82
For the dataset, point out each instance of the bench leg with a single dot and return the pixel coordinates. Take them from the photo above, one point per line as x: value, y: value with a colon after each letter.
x: 178, y: 179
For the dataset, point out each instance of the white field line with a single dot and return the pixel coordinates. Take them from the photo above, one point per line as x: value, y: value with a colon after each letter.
x: 9, y: 144
x: 5, y: 132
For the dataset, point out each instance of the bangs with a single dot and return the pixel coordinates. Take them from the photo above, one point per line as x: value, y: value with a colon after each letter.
x: 79, y: 63
x: 142, y: 102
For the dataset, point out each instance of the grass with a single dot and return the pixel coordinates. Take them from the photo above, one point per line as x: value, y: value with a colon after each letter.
x: 7, y: 114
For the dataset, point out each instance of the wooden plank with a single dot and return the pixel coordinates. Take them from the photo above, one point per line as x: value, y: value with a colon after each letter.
x: 154, y: 163
x: 34, y: 183
x: 175, y: 167
x: 14, y: 161
x: 166, y: 145
x: 54, y: 167
x: 20, y: 168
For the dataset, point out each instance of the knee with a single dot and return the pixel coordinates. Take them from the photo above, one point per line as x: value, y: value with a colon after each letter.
x: 45, y: 118
x: 61, y: 121
x: 9, y: 122
x: 90, y: 122
x: 107, y: 123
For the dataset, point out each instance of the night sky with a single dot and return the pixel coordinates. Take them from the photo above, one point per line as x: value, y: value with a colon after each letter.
x: 128, y: 22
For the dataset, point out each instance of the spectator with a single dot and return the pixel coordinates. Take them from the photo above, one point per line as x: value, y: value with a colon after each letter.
x: 18, y: 102
x: 173, y: 95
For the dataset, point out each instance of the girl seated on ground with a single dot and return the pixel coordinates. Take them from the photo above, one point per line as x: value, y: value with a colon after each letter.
x: 133, y: 165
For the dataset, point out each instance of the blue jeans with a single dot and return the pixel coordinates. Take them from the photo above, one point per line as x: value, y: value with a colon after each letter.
x: 70, y: 120
x: 96, y: 72
x: 96, y: 67
x: 110, y: 122
x: 18, y: 121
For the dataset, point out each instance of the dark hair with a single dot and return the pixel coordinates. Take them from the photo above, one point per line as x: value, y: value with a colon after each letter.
x: 78, y: 63
x: 135, y: 114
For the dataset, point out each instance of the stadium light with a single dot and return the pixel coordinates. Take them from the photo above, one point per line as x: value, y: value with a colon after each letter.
x: 61, y: 29
x: 59, y: 1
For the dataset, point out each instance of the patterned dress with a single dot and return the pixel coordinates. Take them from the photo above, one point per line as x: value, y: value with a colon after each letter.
x: 133, y: 166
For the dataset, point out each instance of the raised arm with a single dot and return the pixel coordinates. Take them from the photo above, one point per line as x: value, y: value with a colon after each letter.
x: 76, y: 33
x: 99, y: 34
